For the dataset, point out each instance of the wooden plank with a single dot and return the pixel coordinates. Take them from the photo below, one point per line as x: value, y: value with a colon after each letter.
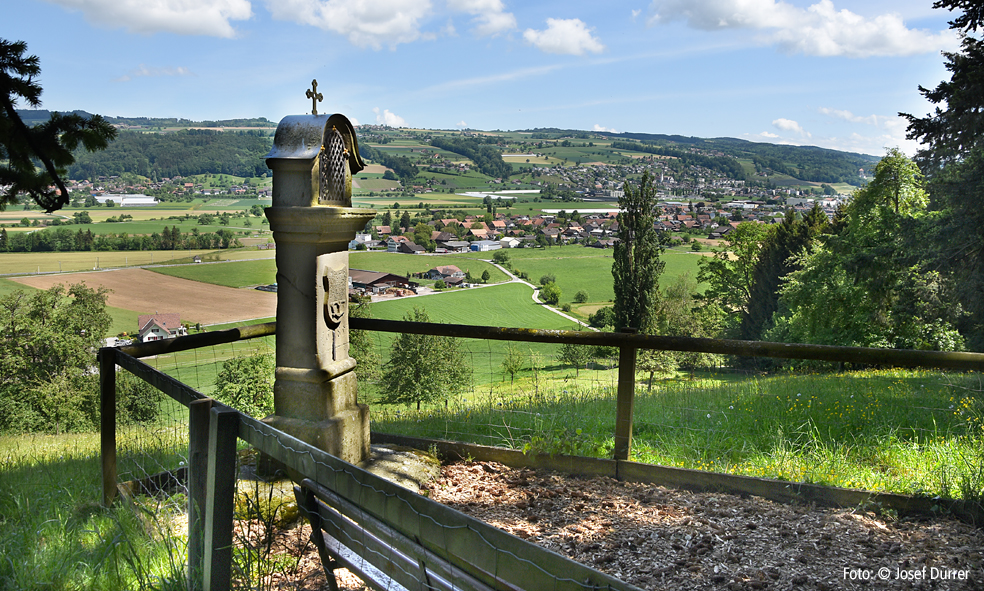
x: 220, y: 503
x: 776, y: 490
x: 870, y: 356
x: 107, y: 422
x: 172, y: 387
x: 197, y: 341
x: 455, y: 450
x: 464, y: 541
x: 400, y: 557
x: 199, y: 415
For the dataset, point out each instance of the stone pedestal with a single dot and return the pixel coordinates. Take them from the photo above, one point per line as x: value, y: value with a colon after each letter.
x: 315, y: 392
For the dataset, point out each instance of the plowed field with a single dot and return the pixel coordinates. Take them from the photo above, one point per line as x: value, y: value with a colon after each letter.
x: 146, y: 292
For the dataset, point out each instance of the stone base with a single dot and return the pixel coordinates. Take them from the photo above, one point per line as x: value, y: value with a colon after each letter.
x: 344, y: 435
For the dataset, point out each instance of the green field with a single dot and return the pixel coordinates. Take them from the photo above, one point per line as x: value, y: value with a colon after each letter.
x: 23, y: 263
x: 589, y: 269
x: 250, y: 273
x: 913, y: 432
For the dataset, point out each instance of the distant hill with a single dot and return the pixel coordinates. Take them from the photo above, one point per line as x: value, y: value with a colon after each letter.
x: 159, y: 147
x: 807, y: 163
x: 36, y: 116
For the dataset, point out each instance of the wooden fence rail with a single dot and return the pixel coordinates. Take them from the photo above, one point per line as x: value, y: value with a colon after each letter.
x: 393, y: 537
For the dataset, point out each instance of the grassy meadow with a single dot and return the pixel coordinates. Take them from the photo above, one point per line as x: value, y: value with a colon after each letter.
x: 911, y: 432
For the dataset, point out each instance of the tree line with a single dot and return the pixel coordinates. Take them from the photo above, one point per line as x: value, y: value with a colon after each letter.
x: 65, y: 240
x: 488, y: 159
x: 725, y: 165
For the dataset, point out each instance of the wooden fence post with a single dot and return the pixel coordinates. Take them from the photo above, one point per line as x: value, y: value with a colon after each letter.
x: 625, y: 402
x: 222, y: 435
x: 107, y: 422
x: 198, y: 427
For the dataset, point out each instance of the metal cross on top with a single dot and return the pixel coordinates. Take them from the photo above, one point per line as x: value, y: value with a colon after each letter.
x: 315, y: 96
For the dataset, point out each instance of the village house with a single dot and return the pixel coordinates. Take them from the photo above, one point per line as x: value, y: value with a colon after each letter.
x: 157, y: 327
x: 374, y: 282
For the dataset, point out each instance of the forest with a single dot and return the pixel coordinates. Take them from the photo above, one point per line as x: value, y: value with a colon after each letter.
x: 182, y: 153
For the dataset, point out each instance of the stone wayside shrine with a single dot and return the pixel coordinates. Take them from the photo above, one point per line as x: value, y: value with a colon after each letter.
x: 312, y: 219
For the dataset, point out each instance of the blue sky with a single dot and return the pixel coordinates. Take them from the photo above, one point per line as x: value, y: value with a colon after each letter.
x: 830, y: 73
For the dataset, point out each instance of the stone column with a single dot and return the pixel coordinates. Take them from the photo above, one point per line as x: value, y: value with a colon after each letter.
x: 315, y: 394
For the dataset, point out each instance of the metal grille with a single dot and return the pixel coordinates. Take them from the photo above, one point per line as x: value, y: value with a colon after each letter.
x: 332, y: 164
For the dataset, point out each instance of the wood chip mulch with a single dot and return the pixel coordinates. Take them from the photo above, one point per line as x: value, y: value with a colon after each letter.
x: 659, y: 538
x: 666, y: 539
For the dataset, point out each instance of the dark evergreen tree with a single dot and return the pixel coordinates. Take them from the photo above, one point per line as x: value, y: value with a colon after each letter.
x: 782, y: 242
x: 954, y: 163
x: 50, y: 144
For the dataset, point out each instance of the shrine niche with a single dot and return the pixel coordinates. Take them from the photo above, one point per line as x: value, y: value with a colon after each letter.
x: 312, y: 219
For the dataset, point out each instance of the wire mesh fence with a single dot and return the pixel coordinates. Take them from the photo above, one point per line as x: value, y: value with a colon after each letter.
x: 917, y: 431
x: 907, y: 431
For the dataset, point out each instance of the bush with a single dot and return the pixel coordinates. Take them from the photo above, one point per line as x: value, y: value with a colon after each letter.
x: 580, y: 297
x: 246, y: 384
x: 550, y: 293
x: 603, y: 317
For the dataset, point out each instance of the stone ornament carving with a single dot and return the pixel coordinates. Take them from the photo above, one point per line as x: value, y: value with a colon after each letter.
x: 335, y: 282
x: 332, y: 161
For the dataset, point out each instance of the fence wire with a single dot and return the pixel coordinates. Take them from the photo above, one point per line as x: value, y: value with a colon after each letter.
x: 909, y: 431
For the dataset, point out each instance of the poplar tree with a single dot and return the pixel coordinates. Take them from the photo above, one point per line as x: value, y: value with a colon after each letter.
x: 637, y: 265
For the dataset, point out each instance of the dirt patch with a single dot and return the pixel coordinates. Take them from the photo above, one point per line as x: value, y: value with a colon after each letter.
x: 660, y: 538
x: 665, y: 539
x: 146, y: 292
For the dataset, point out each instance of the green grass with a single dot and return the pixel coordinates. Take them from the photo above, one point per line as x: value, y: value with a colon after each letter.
x: 894, y: 431
x: 56, y: 535
x: 261, y: 272
x: 54, y: 262
x: 589, y: 269
x: 229, y: 274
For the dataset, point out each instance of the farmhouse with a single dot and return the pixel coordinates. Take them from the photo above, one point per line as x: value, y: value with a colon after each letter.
x: 445, y: 272
x: 157, y: 327
x: 373, y: 282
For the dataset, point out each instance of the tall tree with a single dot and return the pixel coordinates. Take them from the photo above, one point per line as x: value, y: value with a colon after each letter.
x: 424, y: 368
x: 729, y: 272
x: 637, y: 266
x: 953, y: 159
x: 872, y: 276
x: 776, y: 261
x: 49, y: 144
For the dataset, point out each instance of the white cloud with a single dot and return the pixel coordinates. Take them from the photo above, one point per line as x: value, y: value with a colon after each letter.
x: 790, y: 125
x: 601, y: 129
x: 491, y: 17
x: 184, y: 17
x: 365, y: 23
x: 144, y: 71
x: 384, y: 117
x: 769, y: 135
x: 564, y: 36
x: 462, y: 125
x: 354, y: 121
x: 819, y: 29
